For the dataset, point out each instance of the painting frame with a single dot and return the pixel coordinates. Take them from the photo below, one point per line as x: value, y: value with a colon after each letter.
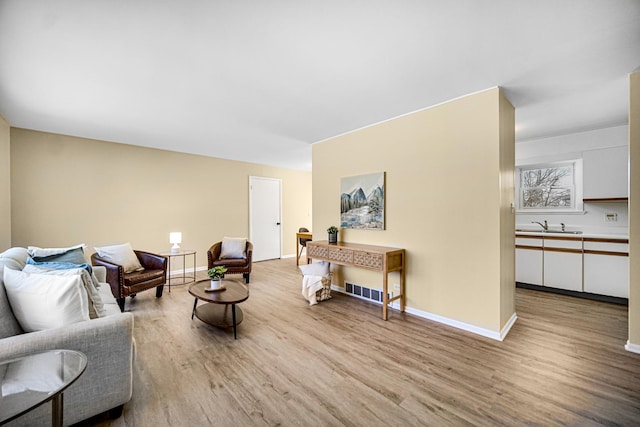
x: 362, y: 201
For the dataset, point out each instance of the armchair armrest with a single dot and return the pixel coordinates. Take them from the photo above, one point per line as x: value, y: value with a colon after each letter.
x: 114, y: 276
x: 213, y: 254
x: 152, y: 261
x: 249, y: 252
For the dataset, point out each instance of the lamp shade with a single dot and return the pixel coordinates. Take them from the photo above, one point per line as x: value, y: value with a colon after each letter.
x: 175, y: 237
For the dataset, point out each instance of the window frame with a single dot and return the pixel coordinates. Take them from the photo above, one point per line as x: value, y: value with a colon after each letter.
x: 576, y: 193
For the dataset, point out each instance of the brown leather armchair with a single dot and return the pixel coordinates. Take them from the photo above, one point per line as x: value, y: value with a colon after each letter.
x: 124, y: 284
x: 233, y: 265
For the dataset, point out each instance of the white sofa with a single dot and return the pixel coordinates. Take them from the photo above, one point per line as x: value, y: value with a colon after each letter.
x: 106, y: 384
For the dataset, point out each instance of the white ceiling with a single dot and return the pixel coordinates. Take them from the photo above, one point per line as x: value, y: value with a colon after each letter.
x: 260, y: 81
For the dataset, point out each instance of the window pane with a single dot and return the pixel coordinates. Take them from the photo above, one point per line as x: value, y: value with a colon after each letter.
x: 548, y: 177
x: 545, y: 197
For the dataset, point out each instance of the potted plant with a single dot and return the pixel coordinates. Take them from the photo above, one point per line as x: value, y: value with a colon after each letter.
x: 333, y: 234
x: 216, y: 274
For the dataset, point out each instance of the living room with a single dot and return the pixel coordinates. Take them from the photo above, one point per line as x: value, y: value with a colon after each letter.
x: 62, y: 190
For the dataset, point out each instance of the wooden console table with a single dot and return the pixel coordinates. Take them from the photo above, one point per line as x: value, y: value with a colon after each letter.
x: 369, y: 257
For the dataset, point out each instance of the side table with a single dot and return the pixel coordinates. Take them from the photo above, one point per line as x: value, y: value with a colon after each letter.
x: 186, y: 279
x: 33, y: 379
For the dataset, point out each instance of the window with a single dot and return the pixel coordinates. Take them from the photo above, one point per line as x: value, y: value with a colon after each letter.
x: 548, y: 187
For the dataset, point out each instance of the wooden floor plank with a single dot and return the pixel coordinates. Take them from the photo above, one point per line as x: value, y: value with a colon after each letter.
x: 339, y: 364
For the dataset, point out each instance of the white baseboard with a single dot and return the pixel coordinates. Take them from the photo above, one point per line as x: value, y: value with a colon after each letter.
x: 634, y: 348
x: 499, y: 336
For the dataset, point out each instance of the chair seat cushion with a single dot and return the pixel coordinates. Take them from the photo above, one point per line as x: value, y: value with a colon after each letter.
x: 231, y: 262
x: 132, y: 279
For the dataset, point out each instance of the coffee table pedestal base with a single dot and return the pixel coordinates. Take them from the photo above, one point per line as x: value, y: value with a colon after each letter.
x: 220, y: 315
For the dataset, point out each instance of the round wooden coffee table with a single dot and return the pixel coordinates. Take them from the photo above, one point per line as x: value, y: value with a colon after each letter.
x: 221, y: 310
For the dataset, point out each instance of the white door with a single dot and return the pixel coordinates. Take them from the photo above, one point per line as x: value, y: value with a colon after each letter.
x: 265, y: 217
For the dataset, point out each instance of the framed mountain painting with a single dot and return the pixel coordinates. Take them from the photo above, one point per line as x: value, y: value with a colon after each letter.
x: 362, y: 201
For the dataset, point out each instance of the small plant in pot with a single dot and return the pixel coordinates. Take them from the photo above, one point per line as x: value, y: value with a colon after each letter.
x: 333, y: 234
x: 216, y: 274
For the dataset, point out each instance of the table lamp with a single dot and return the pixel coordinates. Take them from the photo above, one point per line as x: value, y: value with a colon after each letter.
x: 175, y: 237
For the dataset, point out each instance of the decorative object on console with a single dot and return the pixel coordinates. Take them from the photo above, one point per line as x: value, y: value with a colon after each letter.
x: 175, y: 237
x: 333, y: 234
x: 239, y: 265
x: 362, y: 201
x: 216, y: 274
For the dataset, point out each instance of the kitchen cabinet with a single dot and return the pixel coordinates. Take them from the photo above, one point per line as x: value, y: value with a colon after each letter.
x: 529, y: 260
x: 562, y: 263
x: 605, y: 173
x: 606, y: 266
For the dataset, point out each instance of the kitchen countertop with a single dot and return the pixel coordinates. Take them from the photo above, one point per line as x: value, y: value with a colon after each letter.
x: 600, y: 235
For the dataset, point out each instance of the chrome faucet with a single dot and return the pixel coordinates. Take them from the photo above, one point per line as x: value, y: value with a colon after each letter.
x: 544, y: 226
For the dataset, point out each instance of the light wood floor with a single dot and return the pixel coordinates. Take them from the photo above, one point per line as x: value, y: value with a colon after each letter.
x: 338, y: 364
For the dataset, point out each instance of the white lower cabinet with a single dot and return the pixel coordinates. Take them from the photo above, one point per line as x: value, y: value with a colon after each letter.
x: 529, y: 260
x: 563, y: 263
x: 606, y: 267
x: 563, y: 270
x: 595, y: 265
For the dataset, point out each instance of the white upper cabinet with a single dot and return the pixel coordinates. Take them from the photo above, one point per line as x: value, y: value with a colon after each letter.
x: 605, y: 173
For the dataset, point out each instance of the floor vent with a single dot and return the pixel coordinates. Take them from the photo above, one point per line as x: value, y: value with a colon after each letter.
x: 364, y: 292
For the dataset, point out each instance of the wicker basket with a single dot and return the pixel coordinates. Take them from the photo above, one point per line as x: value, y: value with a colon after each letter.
x: 324, y: 293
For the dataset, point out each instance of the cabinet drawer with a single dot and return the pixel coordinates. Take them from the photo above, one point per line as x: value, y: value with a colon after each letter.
x: 316, y: 251
x: 606, y: 248
x: 341, y: 255
x: 551, y: 243
x: 368, y: 260
x: 529, y: 242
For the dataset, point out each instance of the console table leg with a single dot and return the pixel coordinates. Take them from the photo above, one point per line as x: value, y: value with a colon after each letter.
x: 385, y: 297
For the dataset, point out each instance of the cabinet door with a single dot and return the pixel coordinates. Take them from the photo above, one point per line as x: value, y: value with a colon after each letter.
x: 563, y: 270
x: 605, y: 173
x: 606, y: 275
x: 563, y: 263
x: 606, y: 267
x: 529, y: 266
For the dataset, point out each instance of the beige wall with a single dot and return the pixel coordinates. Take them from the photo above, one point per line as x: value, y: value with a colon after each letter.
x: 67, y: 190
x: 449, y: 188
x: 507, y: 211
x: 634, y: 210
x: 5, y: 185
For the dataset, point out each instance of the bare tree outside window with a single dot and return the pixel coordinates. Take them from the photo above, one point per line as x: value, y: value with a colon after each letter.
x: 547, y: 187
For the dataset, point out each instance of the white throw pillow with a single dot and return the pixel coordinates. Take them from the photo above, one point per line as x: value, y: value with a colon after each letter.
x: 96, y: 307
x: 44, y: 301
x: 122, y: 255
x: 319, y: 268
x: 233, y: 247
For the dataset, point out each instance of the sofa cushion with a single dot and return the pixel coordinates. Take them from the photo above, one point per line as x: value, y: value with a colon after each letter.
x: 44, y: 301
x: 96, y: 307
x: 121, y: 255
x: 233, y: 247
x: 14, y: 258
